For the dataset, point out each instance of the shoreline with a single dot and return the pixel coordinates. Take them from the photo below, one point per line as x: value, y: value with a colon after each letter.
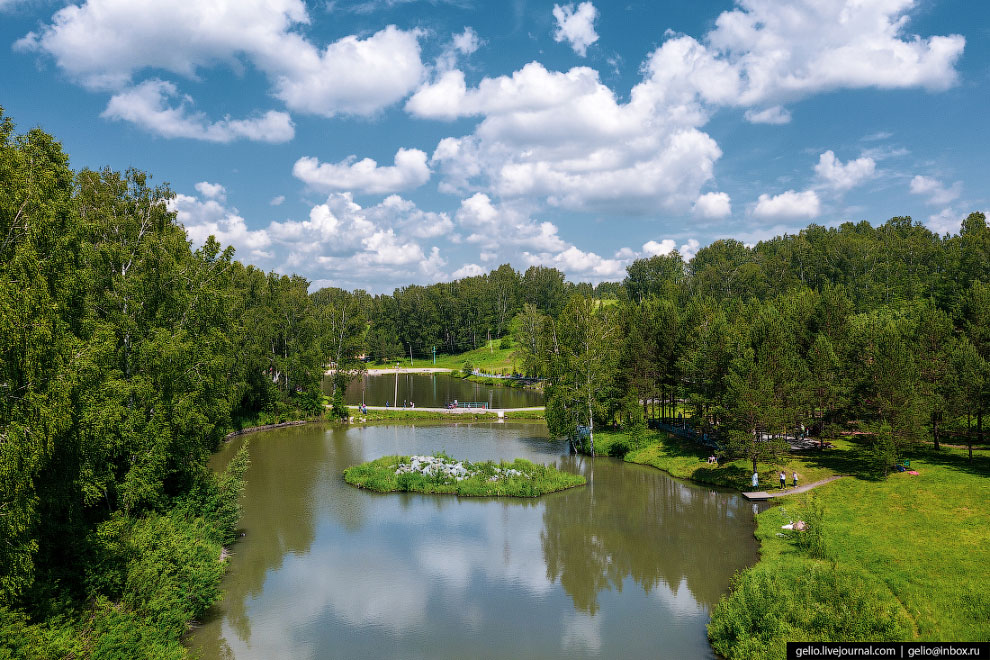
x: 384, y: 371
x: 267, y: 427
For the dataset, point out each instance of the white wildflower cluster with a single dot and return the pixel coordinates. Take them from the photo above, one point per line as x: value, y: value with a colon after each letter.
x: 434, y: 465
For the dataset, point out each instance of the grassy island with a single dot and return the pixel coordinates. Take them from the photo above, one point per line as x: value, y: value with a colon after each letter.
x: 443, y: 475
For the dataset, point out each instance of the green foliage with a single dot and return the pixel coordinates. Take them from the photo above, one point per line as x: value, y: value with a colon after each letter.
x: 339, y: 409
x: 803, y: 600
x: 125, y: 356
x: 814, y: 540
x: 175, y: 576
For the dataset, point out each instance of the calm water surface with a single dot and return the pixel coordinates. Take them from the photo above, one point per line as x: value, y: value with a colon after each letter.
x: 627, y: 566
x: 435, y: 391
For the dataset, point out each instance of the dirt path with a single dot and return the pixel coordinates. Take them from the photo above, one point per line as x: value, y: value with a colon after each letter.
x: 763, y: 495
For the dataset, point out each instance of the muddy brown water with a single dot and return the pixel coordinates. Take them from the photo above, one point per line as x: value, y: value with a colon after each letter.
x: 627, y: 566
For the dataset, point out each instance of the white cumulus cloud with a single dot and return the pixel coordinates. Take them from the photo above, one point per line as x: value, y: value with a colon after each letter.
x: 410, y: 170
x: 789, y: 204
x: 576, y: 26
x: 568, y: 140
x: 713, y: 205
x: 204, y: 217
x: 935, y: 190
x: 147, y: 106
x: 653, y: 248
x: 468, y: 270
x: 211, y: 190
x: 351, y: 76
x: 842, y: 176
x: 946, y: 221
x: 773, y: 115
x: 105, y: 44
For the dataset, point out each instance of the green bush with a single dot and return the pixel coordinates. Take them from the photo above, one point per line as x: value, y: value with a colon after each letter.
x: 806, y: 600
x: 176, y: 574
x: 119, y: 633
x: 53, y: 640
x: 814, y: 540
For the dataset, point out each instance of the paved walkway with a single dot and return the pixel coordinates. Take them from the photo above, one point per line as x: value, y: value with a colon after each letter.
x: 763, y: 495
x: 385, y: 371
x: 457, y: 411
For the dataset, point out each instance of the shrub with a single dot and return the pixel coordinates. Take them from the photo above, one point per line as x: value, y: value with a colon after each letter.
x: 807, y: 600
x: 175, y: 576
x: 814, y: 539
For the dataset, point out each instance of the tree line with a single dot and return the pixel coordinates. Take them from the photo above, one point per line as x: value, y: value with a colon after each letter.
x: 126, y: 356
x: 457, y: 316
x: 881, y: 330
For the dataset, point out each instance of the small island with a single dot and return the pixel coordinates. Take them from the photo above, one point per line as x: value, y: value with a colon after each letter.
x: 442, y: 474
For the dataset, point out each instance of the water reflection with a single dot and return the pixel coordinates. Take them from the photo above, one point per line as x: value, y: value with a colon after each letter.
x: 635, y: 515
x: 629, y: 564
x: 434, y: 391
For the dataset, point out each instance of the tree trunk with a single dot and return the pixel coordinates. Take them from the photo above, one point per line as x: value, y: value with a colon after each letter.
x: 979, y: 431
x: 591, y: 429
x: 935, y: 431
x: 753, y: 453
x: 969, y: 437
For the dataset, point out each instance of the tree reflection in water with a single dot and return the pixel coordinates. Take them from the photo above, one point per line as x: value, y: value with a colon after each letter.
x: 636, y: 522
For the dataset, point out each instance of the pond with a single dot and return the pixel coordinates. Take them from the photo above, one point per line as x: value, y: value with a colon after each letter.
x: 434, y: 391
x: 627, y: 566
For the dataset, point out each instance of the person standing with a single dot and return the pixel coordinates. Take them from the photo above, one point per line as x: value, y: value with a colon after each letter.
x: 794, y: 476
x: 783, y: 479
x: 756, y: 479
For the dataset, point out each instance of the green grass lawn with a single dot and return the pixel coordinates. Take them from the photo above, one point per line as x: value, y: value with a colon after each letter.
x: 486, y: 479
x: 688, y: 460
x: 911, y: 553
x: 489, y: 360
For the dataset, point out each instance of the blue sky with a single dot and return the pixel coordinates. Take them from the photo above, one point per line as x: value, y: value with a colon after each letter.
x: 377, y: 143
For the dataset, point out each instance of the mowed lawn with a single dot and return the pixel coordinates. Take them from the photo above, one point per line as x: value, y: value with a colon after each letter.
x: 927, y: 537
x: 688, y: 460
x: 484, y: 358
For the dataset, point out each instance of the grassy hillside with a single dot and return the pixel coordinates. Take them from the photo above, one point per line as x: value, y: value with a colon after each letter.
x: 488, y: 359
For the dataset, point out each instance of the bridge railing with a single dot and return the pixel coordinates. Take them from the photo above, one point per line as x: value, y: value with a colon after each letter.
x: 472, y: 404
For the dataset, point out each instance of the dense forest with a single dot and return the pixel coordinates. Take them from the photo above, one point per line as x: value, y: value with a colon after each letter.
x: 125, y: 358
x: 881, y: 330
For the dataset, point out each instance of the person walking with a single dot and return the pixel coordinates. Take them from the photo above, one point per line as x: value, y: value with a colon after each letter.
x: 794, y: 476
x: 783, y: 479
